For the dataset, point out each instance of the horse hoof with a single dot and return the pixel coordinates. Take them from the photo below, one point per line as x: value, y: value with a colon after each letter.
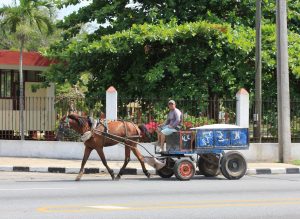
x: 148, y: 175
x: 113, y: 177
x: 111, y: 172
x: 79, y: 176
x: 118, y: 178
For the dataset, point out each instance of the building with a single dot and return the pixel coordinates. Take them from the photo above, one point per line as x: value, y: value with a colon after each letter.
x: 39, y: 113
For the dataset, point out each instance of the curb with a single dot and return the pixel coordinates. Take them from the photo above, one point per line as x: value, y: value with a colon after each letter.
x: 134, y: 171
x: 261, y: 171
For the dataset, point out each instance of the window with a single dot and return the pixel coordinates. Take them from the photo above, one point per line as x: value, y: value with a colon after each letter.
x: 33, y: 76
x: 5, y: 83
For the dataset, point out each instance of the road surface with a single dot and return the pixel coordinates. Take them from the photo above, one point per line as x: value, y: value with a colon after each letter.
x: 51, y: 195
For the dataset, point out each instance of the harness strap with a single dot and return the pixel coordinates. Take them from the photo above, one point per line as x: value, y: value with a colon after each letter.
x: 105, y: 126
x: 137, y: 129
x: 125, y: 127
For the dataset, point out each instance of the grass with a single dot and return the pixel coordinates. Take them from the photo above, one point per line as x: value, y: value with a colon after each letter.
x: 296, y: 162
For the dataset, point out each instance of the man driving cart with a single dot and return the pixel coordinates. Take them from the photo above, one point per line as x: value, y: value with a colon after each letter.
x: 172, y: 124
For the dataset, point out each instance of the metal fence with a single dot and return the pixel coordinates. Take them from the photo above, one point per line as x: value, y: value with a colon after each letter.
x: 269, y: 123
x: 42, y: 115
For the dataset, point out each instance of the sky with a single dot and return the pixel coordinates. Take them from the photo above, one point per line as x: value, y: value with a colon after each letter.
x: 61, y: 13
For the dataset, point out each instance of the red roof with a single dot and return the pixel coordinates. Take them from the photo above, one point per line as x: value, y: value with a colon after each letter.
x: 8, y: 57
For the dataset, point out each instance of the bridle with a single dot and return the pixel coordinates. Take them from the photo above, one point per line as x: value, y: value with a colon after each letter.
x: 66, y: 122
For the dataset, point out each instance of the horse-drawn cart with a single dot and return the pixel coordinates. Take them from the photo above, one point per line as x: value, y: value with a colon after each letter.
x: 205, y: 148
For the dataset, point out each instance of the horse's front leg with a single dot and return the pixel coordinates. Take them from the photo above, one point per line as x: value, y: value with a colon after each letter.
x: 87, y: 152
x: 103, y: 159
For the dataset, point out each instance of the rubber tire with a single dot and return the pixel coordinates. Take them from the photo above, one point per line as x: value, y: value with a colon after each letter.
x: 189, y: 164
x: 206, y: 168
x: 165, y: 172
x: 230, y: 172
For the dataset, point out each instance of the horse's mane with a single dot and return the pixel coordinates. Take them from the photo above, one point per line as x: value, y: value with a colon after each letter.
x: 79, y: 119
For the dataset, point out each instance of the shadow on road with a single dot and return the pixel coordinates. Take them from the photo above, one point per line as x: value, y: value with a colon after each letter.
x: 124, y: 178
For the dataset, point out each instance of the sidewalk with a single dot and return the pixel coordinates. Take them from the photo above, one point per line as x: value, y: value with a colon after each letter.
x: 133, y: 168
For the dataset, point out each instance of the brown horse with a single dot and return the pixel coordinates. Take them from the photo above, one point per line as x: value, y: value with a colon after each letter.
x: 99, y: 139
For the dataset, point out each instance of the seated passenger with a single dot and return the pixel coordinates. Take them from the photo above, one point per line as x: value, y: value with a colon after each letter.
x: 172, y: 124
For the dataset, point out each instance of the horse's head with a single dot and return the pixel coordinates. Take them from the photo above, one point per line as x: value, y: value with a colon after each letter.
x: 145, y: 135
x: 73, y: 121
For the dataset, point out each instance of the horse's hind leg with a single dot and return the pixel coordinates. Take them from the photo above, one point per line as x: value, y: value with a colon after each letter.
x: 103, y: 159
x: 140, y: 157
x: 126, y: 161
x: 87, y: 152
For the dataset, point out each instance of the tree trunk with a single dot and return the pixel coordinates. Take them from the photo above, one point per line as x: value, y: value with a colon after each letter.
x: 21, y: 91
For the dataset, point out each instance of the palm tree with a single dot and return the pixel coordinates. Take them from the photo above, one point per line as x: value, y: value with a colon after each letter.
x: 22, y: 20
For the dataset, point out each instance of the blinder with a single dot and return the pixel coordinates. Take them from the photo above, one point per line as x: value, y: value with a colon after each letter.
x: 66, y: 122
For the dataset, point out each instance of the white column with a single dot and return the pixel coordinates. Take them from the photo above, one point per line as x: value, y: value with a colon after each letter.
x: 111, y: 103
x: 242, y: 108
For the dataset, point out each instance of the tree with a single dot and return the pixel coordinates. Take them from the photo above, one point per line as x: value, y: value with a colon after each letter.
x: 38, y: 40
x: 22, y: 20
x: 202, y: 48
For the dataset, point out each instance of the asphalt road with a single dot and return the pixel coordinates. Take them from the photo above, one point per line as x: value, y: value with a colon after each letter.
x: 44, y: 195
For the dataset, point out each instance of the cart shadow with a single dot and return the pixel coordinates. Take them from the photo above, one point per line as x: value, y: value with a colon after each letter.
x: 173, y: 178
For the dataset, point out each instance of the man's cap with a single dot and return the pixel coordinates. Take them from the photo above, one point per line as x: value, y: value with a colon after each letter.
x: 172, y: 102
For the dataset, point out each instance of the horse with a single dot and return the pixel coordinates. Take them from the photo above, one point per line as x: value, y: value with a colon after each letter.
x: 105, y: 135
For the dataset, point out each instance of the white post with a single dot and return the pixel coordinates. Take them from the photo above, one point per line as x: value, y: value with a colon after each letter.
x: 242, y: 108
x: 111, y: 103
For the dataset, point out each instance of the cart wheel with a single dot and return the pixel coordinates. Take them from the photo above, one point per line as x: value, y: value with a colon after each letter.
x: 165, y: 172
x: 208, y: 165
x: 233, y: 165
x: 184, y: 169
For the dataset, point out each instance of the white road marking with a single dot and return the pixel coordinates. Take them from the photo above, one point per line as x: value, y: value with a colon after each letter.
x: 27, y: 189
x: 108, y: 207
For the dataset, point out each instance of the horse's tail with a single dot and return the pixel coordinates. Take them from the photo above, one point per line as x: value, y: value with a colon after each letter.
x: 144, y: 131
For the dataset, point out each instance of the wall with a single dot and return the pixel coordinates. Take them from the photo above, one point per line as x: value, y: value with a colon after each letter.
x: 41, y: 92
x: 60, y: 150
x: 39, y: 110
x: 267, y: 152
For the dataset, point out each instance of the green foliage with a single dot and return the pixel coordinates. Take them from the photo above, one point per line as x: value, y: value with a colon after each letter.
x: 180, y: 58
x: 27, y: 16
x: 37, y: 26
x: 178, y: 49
